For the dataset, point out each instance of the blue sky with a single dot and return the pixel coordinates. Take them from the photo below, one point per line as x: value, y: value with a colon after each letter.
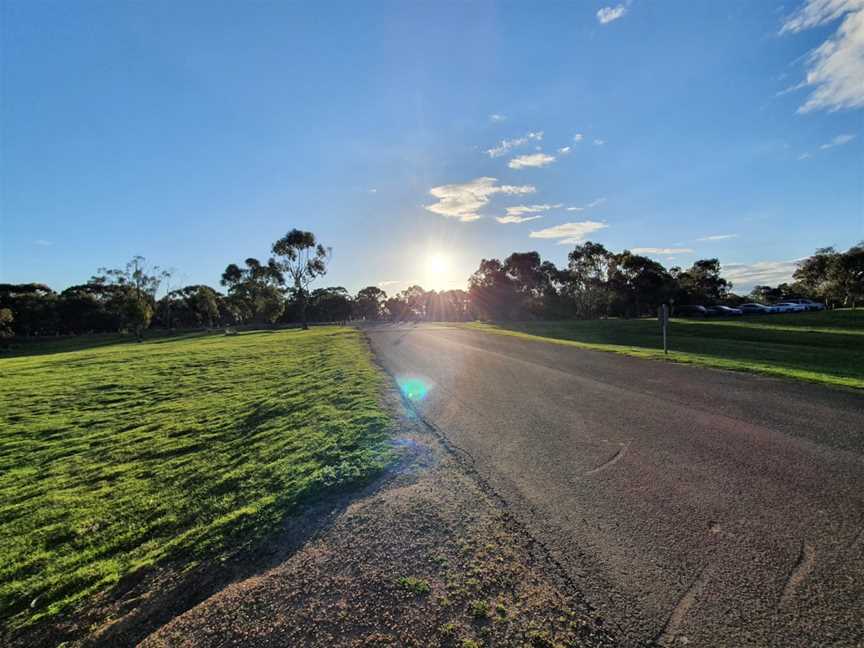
x: 196, y: 134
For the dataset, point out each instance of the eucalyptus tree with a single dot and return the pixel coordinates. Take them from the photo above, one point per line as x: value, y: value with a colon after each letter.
x: 303, y: 259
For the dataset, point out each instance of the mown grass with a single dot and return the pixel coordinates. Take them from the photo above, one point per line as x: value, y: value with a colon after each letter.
x: 120, y: 456
x: 826, y: 347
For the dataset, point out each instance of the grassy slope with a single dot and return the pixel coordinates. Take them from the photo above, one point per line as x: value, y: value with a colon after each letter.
x: 818, y: 347
x: 118, y: 456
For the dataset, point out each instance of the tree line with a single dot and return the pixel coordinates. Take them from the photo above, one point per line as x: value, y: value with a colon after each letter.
x: 595, y: 283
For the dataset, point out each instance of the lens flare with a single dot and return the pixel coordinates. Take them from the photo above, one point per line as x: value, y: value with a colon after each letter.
x: 414, y: 389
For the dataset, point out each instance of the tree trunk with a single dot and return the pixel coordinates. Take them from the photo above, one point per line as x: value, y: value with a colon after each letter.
x: 302, y: 296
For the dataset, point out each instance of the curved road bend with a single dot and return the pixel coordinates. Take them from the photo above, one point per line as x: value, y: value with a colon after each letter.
x: 694, y: 507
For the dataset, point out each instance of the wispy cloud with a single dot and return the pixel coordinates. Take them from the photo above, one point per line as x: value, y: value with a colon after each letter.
x: 512, y: 218
x: 564, y: 150
x: 578, y: 137
x: 599, y: 142
x: 661, y: 250
x: 518, y: 210
x: 608, y: 14
x: 591, y: 205
x: 836, y: 67
x: 372, y: 191
x: 840, y: 140
x: 43, y: 242
x: 398, y: 282
x: 718, y: 237
x: 531, y: 160
x: 505, y: 146
x: 747, y: 275
x: 497, y: 117
x: 569, y: 233
x: 464, y: 201
x: 805, y: 156
x: 516, y: 214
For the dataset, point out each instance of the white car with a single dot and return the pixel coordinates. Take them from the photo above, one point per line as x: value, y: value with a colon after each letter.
x: 809, y: 304
x: 790, y: 307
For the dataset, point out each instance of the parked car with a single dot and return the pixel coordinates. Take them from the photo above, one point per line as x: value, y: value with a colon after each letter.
x: 790, y: 307
x: 809, y: 303
x: 691, y: 311
x: 755, y: 309
x: 726, y: 311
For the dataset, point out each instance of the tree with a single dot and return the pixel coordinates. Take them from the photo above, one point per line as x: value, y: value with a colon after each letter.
x: 639, y: 284
x: 414, y: 298
x: 848, y: 273
x: 251, y: 289
x: 815, y: 275
x: 269, y: 304
x: 587, y: 279
x: 303, y: 259
x: 139, y: 284
x: 332, y: 304
x: 493, y: 294
x: 702, y: 283
x: 396, y: 308
x: 369, y: 303
x: 531, y: 280
x: 33, y: 307
x: 6, y: 320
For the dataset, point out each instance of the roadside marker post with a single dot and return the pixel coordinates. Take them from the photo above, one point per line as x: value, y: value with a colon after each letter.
x: 663, y: 316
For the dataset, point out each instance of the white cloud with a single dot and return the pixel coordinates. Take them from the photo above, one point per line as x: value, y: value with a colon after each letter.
x: 496, y: 117
x: 835, y: 69
x: 594, y: 203
x: 398, y: 282
x: 578, y: 137
x: 532, y: 160
x: 608, y: 14
x: 463, y: 201
x: 746, y: 275
x: 518, y: 210
x: 43, y: 242
x: 661, y: 250
x: 840, y: 140
x: 599, y: 142
x: 372, y: 191
x: 718, y: 237
x: 564, y: 150
x: 804, y: 156
x: 569, y: 233
x: 512, y: 218
x: 505, y: 146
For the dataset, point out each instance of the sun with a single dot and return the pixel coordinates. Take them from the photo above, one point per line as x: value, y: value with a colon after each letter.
x: 437, y: 270
x: 437, y: 264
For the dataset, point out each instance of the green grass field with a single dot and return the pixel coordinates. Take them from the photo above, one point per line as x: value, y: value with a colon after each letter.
x: 825, y: 347
x: 115, y: 456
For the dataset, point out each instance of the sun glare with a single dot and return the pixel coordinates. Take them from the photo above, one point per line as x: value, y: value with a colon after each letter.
x: 437, y: 265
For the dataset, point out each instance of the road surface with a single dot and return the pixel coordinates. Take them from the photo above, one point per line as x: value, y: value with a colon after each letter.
x: 693, y: 506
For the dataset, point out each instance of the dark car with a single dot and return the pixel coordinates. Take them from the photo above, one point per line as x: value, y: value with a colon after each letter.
x: 754, y: 309
x: 691, y: 311
x: 724, y: 311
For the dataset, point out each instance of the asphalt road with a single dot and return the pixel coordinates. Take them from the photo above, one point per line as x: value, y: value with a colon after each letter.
x: 693, y: 506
